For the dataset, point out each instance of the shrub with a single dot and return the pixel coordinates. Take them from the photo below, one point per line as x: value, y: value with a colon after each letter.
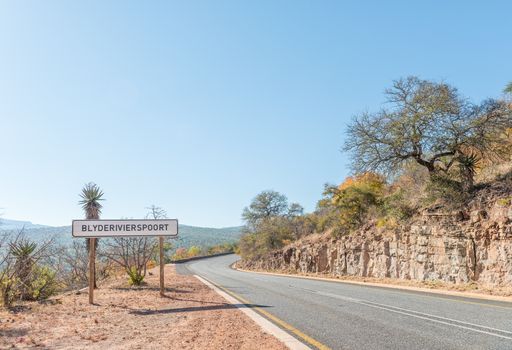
x: 135, y: 276
x: 443, y: 190
x: 249, y: 247
x: 7, y: 289
x: 504, y: 202
x: 352, y: 200
x: 193, y: 251
x: 394, y: 206
x: 181, y: 253
x: 221, y: 248
x: 23, y: 275
x: 44, y: 283
x: 271, y: 234
x: 387, y: 222
x: 412, y: 184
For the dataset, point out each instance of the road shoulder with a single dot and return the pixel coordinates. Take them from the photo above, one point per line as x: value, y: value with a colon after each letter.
x: 267, y: 326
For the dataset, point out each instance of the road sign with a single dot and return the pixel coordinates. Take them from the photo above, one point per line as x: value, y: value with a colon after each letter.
x: 120, y: 228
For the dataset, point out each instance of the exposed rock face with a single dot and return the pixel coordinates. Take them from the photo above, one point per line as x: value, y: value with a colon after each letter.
x: 470, y: 245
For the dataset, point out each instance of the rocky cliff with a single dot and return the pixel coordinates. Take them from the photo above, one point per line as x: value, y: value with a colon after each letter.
x: 473, y: 244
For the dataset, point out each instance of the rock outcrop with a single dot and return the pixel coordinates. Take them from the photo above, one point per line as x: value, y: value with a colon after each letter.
x: 474, y: 244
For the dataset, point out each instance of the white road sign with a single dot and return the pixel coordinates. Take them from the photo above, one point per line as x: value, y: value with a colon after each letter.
x: 116, y: 228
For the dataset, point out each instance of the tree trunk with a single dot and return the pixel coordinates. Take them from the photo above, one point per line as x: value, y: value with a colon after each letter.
x: 88, y: 245
x: 429, y: 165
x: 92, y: 270
x: 467, y: 181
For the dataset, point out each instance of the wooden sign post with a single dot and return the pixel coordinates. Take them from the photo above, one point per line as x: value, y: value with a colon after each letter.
x: 92, y: 268
x: 162, y: 266
x: 123, y: 228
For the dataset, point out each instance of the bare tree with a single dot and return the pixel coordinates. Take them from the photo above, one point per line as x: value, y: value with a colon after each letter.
x: 134, y: 253
x: 428, y: 123
x: 72, y: 263
x: 266, y: 205
x: 156, y: 213
x: 131, y: 253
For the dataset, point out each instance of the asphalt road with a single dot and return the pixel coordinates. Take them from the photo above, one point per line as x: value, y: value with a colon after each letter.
x: 347, y: 316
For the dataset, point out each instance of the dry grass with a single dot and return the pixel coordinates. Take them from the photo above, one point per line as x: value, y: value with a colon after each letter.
x: 191, y: 316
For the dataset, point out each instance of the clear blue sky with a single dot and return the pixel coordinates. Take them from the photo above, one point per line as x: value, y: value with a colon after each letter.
x: 198, y: 106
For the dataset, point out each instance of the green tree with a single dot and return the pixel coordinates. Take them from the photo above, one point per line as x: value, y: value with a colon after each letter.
x: 91, y: 196
x: 270, y: 224
x: 265, y: 205
x: 295, y: 209
x: 428, y: 123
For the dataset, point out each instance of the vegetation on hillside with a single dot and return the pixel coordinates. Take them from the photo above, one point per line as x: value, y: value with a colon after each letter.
x: 430, y: 147
x: 196, y: 251
x: 37, y: 269
x: 271, y: 223
x: 188, y: 235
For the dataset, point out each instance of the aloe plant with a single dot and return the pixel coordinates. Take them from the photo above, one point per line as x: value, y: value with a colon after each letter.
x: 467, y: 166
x: 23, y: 251
x: 91, y: 196
x: 508, y: 88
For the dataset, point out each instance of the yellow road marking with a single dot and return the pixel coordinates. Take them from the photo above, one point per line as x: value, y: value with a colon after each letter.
x: 276, y: 320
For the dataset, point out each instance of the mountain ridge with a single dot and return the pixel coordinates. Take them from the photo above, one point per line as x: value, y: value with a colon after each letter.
x: 187, y: 235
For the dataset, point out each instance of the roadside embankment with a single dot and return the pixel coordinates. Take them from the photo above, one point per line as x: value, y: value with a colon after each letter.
x: 470, y: 248
x: 191, y: 316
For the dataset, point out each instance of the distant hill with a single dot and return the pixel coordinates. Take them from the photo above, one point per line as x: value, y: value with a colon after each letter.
x: 6, y: 224
x: 188, y: 235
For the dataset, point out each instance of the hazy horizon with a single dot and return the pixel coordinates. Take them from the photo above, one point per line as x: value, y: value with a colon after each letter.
x: 43, y: 224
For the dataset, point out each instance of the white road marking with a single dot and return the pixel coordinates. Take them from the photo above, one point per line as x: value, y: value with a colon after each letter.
x: 420, y: 315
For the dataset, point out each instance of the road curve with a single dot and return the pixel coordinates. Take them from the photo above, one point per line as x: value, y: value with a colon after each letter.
x: 347, y: 316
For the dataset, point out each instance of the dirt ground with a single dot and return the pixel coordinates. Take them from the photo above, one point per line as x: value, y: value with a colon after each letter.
x: 191, y: 316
